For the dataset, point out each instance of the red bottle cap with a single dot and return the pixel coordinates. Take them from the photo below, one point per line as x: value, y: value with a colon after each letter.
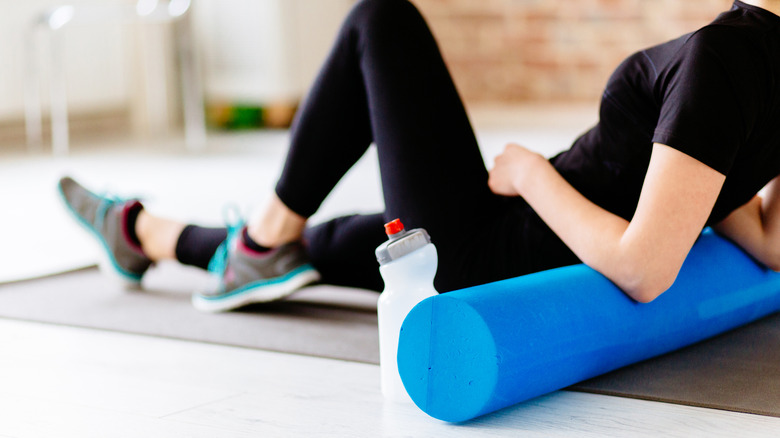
x: 394, y: 227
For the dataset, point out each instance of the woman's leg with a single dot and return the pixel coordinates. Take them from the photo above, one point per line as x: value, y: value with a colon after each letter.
x: 157, y: 236
x: 342, y: 250
x: 385, y: 82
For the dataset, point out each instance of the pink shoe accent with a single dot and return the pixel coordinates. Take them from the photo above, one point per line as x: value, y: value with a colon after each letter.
x: 245, y: 249
x: 125, y: 232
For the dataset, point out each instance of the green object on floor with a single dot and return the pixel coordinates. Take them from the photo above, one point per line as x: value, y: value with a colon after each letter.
x: 243, y: 116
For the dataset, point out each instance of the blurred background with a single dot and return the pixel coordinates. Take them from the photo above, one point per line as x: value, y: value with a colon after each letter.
x: 255, y: 58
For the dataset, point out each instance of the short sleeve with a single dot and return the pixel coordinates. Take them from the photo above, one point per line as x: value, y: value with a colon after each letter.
x: 702, y: 112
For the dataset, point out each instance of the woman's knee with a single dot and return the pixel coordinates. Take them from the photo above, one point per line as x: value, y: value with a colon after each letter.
x: 377, y: 16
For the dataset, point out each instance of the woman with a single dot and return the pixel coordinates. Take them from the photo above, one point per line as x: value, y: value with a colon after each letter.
x: 689, y: 132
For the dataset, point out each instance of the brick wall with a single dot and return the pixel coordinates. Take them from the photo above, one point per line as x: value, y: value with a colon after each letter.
x: 510, y: 51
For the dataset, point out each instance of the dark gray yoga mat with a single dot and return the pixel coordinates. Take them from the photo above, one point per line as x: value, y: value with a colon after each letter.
x: 323, y: 321
x: 737, y: 371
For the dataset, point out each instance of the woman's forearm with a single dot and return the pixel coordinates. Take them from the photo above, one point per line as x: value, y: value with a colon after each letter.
x: 596, y: 236
x: 642, y: 256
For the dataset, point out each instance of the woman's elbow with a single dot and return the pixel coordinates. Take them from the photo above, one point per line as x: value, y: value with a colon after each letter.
x: 773, y: 265
x: 771, y: 259
x: 648, y: 294
x: 647, y: 288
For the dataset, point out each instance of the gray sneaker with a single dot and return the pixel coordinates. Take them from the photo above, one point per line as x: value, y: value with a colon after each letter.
x: 247, y: 277
x: 104, y: 217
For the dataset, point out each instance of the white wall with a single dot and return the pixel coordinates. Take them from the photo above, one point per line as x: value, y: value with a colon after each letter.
x: 260, y: 51
x: 318, y: 23
x: 253, y: 51
x: 95, y: 62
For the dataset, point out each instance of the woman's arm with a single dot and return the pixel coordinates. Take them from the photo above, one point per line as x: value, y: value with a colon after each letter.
x: 643, y: 256
x: 756, y: 226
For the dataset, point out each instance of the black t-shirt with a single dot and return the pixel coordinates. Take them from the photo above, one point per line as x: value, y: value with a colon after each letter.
x: 713, y: 94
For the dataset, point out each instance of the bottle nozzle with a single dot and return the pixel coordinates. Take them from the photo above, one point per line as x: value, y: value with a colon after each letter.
x: 394, y: 227
x: 400, y: 241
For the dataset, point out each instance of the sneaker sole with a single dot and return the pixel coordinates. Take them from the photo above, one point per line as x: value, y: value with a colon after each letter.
x: 106, y: 262
x: 258, y: 292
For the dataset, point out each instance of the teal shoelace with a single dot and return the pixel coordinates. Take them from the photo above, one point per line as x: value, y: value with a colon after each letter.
x: 234, y: 224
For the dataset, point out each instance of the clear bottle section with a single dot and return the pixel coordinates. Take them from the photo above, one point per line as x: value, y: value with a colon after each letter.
x: 408, y: 262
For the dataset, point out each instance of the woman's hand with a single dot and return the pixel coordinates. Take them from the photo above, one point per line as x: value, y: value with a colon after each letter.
x: 512, y: 169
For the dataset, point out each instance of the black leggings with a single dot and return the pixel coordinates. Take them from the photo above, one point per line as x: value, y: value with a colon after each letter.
x: 385, y: 83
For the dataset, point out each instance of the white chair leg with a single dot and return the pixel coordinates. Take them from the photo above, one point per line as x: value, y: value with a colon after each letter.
x: 59, y: 100
x: 32, y: 94
x: 192, y: 92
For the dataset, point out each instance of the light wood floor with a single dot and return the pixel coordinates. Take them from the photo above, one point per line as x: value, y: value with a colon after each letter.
x: 68, y: 382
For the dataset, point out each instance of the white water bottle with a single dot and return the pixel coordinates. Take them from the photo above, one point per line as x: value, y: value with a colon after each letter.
x: 407, y: 262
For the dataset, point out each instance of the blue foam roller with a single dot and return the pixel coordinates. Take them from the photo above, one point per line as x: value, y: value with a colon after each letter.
x: 473, y: 351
